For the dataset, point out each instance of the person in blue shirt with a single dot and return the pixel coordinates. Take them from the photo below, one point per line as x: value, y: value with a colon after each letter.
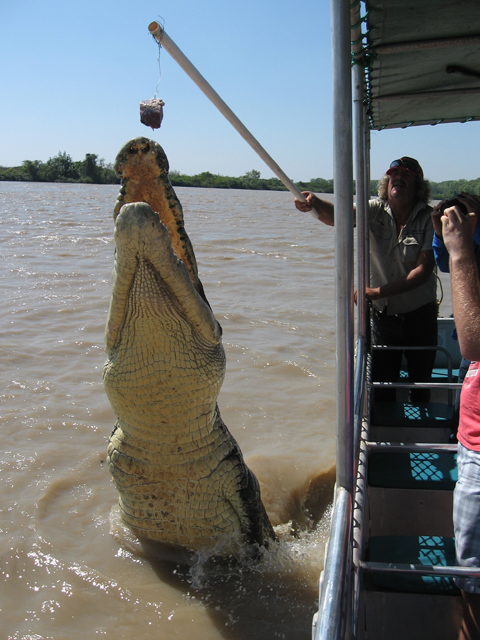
x: 439, y: 249
x: 442, y: 258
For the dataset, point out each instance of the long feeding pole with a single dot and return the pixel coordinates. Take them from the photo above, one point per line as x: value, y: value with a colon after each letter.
x: 162, y: 38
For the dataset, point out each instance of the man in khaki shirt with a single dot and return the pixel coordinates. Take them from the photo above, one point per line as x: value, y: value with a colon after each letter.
x: 402, y: 282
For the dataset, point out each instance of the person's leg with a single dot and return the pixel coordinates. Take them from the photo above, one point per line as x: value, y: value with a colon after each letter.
x: 470, y: 627
x: 386, y: 330
x: 420, y: 329
x: 466, y: 521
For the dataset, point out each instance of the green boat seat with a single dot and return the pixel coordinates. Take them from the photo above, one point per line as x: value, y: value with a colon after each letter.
x: 412, y: 414
x: 439, y: 374
x: 415, y: 550
x: 413, y: 469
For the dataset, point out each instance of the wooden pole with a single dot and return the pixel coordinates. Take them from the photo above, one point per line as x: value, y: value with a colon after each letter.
x: 162, y: 38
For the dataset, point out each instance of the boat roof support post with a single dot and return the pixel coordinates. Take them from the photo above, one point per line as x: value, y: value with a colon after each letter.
x: 334, y: 607
x: 343, y: 187
x: 366, y: 146
x: 362, y: 191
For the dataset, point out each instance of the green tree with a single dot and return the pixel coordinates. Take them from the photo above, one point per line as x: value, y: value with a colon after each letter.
x: 89, y: 169
x: 33, y: 169
x: 61, y: 168
x: 107, y: 173
x: 319, y: 185
x: 251, y: 179
x: 204, y: 179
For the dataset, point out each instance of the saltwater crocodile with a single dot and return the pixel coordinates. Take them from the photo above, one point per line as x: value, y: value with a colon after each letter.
x: 180, y: 474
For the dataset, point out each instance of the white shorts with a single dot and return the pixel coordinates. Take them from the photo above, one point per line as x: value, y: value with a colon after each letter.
x: 466, y: 515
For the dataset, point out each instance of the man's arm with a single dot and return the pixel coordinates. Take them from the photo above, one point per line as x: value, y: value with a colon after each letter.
x: 457, y: 235
x: 417, y: 276
x: 324, y: 208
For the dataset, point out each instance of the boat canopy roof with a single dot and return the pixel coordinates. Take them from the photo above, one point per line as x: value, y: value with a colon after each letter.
x: 422, y: 61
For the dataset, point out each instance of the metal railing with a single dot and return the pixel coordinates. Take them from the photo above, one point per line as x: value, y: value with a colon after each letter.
x: 331, y: 618
x: 336, y: 581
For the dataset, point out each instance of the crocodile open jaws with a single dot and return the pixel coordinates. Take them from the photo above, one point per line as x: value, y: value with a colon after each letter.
x: 180, y: 474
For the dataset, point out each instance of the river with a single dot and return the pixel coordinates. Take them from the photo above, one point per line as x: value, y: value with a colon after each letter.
x: 68, y: 567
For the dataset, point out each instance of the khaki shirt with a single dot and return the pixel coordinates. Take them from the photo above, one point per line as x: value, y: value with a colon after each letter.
x: 393, y: 257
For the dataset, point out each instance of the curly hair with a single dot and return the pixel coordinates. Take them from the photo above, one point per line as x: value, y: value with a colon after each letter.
x: 422, y: 189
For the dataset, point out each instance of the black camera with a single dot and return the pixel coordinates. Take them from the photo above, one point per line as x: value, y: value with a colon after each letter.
x: 453, y: 202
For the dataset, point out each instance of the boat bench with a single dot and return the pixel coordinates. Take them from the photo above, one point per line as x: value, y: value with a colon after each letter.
x: 413, y: 469
x: 408, y: 519
x: 413, y: 550
x: 410, y: 492
x: 412, y: 414
x: 432, y: 422
x: 439, y: 374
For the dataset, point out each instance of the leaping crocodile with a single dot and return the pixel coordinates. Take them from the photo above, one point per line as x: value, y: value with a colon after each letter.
x: 180, y: 474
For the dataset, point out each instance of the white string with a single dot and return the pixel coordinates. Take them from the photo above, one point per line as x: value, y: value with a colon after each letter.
x: 158, y: 59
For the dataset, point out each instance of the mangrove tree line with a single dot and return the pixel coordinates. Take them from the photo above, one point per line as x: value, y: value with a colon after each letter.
x: 61, y: 168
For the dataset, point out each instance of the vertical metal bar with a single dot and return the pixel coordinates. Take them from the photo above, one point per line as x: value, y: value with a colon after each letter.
x: 343, y: 183
x: 361, y: 194
x: 362, y: 197
x: 362, y: 230
x: 334, y: 609
x: 366, y: 147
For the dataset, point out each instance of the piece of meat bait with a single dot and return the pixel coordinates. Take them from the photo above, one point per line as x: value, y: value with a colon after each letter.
x: 151, y: 112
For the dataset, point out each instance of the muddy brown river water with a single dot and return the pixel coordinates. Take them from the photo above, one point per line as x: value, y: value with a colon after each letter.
x: 68, y: 567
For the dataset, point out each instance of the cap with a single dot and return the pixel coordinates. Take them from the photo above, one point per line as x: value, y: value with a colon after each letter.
x: 406, y: 163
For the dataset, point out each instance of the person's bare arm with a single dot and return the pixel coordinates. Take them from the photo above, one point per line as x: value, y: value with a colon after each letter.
x: 324, y: 208
x: 457, y: 235
x: 417, y: 276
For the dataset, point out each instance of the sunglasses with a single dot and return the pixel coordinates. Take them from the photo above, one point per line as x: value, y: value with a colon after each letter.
x: 406, y: 164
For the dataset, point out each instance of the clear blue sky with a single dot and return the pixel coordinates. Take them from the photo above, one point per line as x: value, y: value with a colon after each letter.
x: 73, y: 75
